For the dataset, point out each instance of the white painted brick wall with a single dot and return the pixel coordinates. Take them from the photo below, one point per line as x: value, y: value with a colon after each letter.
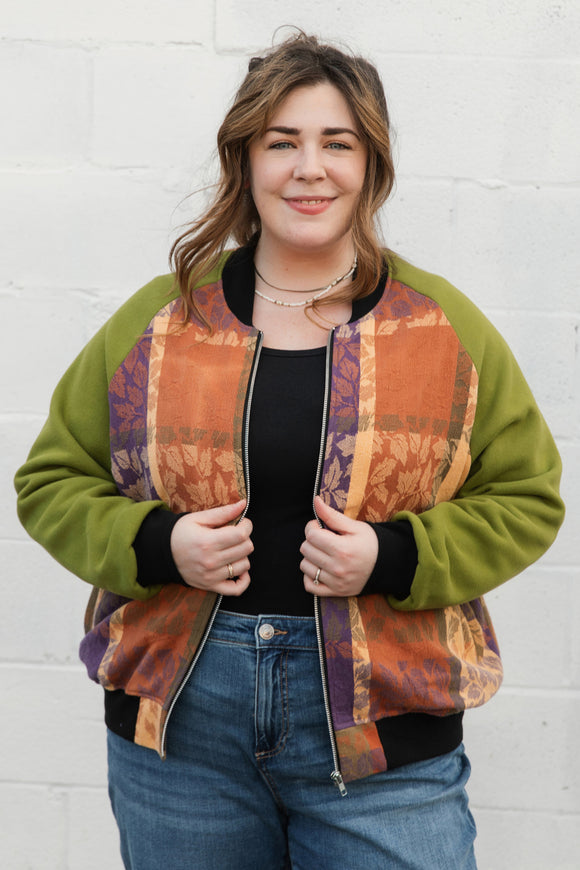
x: 109, y: 113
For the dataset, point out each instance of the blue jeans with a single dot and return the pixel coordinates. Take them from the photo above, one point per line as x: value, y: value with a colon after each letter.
x: 246, y: 783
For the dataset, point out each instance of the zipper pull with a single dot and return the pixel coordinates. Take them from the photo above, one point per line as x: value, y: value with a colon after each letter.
x: 336, y: 777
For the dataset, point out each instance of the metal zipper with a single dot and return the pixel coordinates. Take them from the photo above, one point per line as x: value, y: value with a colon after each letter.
x: 245, y: 435
x: 218, y: 601
x: 336, y: 775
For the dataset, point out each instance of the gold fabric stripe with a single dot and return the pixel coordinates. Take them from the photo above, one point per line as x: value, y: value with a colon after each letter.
x: 361, y: 664
x: 148, y: 727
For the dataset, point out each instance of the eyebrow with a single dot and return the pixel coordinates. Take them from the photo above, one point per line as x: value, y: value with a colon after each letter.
x: 327, y: 131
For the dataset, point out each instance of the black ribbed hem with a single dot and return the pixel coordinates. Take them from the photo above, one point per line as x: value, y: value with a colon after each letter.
x: 405, y: 739
x: 418, y: 736
x: 121, y: 711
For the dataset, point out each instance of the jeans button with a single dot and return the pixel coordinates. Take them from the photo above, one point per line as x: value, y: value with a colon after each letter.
x: 266, y: 631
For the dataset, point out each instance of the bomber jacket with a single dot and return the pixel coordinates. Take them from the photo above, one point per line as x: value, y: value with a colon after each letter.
x: 427, y: 418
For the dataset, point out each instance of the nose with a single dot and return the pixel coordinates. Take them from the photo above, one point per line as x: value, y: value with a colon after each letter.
x: 309, y: 165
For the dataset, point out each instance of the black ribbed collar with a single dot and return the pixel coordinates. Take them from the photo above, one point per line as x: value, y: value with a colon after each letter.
x: 239, y: 280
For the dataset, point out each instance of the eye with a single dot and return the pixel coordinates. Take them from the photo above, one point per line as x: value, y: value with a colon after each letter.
x: 339, y: 146
x: 280, y: 146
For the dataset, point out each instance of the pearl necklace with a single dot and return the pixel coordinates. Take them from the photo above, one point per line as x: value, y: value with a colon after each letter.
x: 323, y: 291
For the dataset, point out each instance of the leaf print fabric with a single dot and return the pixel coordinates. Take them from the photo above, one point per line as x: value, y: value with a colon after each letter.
x: 383, y: 662
x: 395, y: 441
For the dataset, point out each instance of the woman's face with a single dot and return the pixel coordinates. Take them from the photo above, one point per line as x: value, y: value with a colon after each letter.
x: 307, y: 172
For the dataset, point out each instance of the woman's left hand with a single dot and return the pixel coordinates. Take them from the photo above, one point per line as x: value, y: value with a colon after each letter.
x: 345, y: 551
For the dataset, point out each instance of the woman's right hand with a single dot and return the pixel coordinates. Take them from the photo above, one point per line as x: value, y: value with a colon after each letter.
x: 204, y: 543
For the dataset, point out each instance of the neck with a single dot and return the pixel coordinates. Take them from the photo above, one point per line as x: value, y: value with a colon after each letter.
x: 302, y: 270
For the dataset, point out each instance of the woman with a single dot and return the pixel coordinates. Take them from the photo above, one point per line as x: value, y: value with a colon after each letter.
x: 291, y: 471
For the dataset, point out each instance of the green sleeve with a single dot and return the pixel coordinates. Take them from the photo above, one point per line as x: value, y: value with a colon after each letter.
x: 508, y: 511
x: 68, y: 500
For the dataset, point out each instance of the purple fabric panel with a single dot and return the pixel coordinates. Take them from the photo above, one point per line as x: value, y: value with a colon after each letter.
x: 335, y: 480
x: 93, y: 648
x: 338, y: 647
x: 342, y: 418
x: 94, y: 645
x: 128, y: 423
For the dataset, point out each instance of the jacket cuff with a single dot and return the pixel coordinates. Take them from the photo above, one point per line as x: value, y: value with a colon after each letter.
x: 152, y: 547
x: 397, y: 560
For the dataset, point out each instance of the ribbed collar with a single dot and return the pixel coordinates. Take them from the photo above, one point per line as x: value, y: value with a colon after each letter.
x: 239, y: 280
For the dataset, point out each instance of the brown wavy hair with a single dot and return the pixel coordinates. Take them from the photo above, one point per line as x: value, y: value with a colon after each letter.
x: 297, y: 62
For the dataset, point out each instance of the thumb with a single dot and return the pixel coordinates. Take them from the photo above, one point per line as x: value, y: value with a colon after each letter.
x: 215, y: 518
x: 333, y: 519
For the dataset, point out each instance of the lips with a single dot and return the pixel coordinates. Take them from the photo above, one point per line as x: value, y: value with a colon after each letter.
x: 310, y: 205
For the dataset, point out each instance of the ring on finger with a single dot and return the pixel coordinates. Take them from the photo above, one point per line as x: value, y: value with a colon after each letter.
x: 230, y: 571
x: 316, y: 580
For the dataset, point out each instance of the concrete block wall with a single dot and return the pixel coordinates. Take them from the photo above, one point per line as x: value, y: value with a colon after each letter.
x: 109, y: 115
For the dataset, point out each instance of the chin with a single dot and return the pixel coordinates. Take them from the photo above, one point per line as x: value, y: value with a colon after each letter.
x: 311, y: 241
